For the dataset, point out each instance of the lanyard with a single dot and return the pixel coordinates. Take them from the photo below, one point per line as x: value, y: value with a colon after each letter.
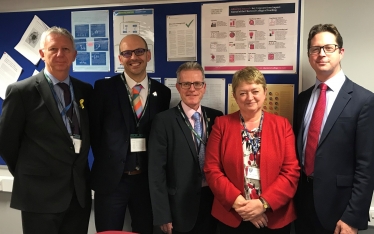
x: 254, y: 141
x: 130, y: 99
x: 66, y: 107
x: 190, y: 126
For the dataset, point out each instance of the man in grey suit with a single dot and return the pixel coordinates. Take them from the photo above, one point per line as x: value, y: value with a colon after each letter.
x: 44, y: 139
x: 334, y: 129
x: 181, y: 199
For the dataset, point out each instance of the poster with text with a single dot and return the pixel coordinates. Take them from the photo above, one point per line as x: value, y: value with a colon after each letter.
x: 259, y: 33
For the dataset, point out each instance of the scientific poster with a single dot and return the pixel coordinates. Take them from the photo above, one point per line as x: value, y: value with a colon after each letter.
x: 257, y: 33
x: 90, y: 30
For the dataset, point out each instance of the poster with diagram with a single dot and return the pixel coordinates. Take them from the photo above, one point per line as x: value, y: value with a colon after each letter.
x: 258, y: 33
x: 90, y: 30
x: 138, y: 22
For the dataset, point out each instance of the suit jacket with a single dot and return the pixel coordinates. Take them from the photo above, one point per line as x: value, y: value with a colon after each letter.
x: 38, y: 150
x: 174, y: 171
x: 110, y: 128
x: 279, y: 170
x: 344, y: 162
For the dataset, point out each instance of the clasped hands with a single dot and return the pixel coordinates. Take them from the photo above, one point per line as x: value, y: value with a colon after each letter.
x: 251, y: 210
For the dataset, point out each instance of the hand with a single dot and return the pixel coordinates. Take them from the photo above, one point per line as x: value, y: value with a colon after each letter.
x: 260, y: 221
x: 252, y: 209
x: 343, y: 228
x: 239, y: 202
x: 167, y: 228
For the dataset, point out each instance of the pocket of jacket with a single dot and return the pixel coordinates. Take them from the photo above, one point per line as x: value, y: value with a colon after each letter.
x: 344, y: 180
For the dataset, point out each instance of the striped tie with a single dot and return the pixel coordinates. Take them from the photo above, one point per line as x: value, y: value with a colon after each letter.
x: 138, y: 108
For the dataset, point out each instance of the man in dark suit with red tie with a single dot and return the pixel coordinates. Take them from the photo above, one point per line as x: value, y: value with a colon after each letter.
x: 122, y: 112
x: 335, y: 143
x: 44, y: 139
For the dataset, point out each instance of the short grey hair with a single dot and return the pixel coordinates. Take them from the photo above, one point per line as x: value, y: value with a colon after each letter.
x: 56, y: 30
x: 187, y: 66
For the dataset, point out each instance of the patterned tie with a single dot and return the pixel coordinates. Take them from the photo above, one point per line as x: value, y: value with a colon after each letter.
x: 137, y: 103
x: 314, y: 130
x: 198, y: 128
x: 73, y: 120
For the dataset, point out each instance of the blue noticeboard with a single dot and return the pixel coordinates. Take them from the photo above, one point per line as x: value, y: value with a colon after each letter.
x: 14, y: 24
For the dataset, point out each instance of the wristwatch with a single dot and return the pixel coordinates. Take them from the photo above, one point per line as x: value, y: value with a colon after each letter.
x: 264, y: 203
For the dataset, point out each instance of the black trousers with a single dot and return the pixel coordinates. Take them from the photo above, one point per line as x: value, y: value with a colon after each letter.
x: 307, y: 221
x: 133, y: 193
x: 74, y: 220
x: 205, y: 223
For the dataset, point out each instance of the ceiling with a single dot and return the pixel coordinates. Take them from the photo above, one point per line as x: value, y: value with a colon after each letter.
x: 37, y: 5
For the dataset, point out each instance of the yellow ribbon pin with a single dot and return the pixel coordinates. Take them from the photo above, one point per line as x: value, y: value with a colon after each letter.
x: 81, y: 103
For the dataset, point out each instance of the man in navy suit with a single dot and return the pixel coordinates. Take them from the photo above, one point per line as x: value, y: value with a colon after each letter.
x: 336, y: 184
x: 181, y: 199
x: 44, y: 139
x: 122, y: 112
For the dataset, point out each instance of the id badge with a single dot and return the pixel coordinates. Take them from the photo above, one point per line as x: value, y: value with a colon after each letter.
x: 77, y: 142
x: 253, y: 173
x: 137, y: 143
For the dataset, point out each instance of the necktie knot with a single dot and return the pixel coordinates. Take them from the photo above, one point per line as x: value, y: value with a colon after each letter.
x: 136, y: 89
x: 196, y: 117
x: 323, y: 86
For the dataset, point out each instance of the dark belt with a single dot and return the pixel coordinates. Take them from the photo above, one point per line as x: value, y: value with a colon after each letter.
x: 135, y: 172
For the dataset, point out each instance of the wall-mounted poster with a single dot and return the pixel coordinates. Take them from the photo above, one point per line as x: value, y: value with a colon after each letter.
x: 257, y: 33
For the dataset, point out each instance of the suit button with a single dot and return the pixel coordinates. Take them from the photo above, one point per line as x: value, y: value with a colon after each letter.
x: 72, y: 148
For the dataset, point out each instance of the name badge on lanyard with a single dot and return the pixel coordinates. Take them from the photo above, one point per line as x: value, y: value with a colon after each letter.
x: 253, y: 173
x: 137, y: 143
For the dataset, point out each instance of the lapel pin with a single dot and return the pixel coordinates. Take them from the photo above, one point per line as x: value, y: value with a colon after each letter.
x: 208, y: 119
x: 81, y: 103
x: 154, y: 93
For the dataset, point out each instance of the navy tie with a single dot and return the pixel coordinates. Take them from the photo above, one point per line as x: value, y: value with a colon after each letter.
x: 73, y: 120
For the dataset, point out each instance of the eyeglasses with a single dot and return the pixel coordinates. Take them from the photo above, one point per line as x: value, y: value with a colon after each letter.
x: 187, y: 85
x: 137, y: 52
x: 328, y: 49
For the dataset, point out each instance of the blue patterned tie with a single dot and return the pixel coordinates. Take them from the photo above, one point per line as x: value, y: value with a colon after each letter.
x: 198, y: 128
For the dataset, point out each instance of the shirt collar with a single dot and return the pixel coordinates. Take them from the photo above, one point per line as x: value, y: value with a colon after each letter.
x: 56, y: 81
x: 334, y: 83
x: 189, y: 111
x: 131, y: 83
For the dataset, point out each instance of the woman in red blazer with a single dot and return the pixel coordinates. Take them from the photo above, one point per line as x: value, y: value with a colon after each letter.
x: 251, y: 164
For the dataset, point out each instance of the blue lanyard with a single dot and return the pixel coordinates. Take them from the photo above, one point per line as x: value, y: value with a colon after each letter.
x: 66, y: 107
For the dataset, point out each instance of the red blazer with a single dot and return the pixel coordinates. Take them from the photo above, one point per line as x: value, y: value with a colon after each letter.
x: 279, y: 169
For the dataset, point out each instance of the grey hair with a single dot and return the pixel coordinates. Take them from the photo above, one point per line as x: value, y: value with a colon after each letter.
x: 187, y: 66
x: 56, y: 30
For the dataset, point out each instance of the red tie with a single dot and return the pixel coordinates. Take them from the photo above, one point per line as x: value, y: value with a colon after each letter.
x: 314, y: 130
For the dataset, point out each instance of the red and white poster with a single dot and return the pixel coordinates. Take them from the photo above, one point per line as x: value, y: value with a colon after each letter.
x: 259, y: 33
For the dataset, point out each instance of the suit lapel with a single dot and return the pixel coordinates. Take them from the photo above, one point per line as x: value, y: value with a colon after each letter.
x: 152, y: 98
x: 83, y: 115
x: 123, y: 98
x: 46, y: 94
x: 186, y: 132
x: 341, y: 101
